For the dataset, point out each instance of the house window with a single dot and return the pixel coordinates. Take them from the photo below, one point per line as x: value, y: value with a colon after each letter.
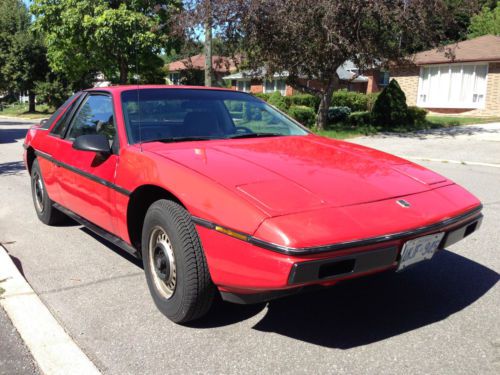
x: 174, y: 78
x: 452, y: 86
x: 275, y: 85
x: 243, y: 86
x: 383, y: 78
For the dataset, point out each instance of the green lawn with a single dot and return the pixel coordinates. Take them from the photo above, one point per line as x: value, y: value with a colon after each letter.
x: 21, y: 110
x: 454, y: 121
x: 341, y: 131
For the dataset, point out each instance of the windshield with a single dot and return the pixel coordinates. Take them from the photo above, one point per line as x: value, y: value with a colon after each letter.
x: 190, y: 114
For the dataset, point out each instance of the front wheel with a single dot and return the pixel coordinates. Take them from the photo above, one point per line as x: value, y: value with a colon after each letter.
x: 174, y: 262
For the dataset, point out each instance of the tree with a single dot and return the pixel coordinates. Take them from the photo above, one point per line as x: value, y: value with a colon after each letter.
x: 486, y: 22
x: 219, y: 19
x: 390, y: 108
x: 22, y: 52
x: 116, y: 37
x: 310, y: 40
x: 14, y: 18
x: 26, y: 64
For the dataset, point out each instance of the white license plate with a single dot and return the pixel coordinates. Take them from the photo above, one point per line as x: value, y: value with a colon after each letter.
x: 419, y: 249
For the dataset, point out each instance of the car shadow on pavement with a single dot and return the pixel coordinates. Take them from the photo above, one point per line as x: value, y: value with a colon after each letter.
x: 113, y: 247
x: 367, y: 310
x: 12, y: 135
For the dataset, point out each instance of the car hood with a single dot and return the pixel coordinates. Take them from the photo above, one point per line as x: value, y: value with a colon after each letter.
x: 291, y: 174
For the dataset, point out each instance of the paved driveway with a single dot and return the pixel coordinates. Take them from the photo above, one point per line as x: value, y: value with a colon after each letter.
x: 439, y: 317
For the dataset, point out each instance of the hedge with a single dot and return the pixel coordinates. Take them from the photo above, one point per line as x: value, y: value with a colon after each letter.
x: 306, y: 100
x: 338, y: 114
x: 262, y: 96
x: 305, y: 115
x: 354, y: 100
x: 359, y: 119
x: 416, y: 116
x: 278, y: 101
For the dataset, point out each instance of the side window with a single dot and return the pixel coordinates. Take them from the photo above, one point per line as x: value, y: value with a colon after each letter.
x: 95, y: 116
x: 62, y: 121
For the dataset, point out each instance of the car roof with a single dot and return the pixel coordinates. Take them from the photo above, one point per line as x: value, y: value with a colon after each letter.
x: 120, y: 88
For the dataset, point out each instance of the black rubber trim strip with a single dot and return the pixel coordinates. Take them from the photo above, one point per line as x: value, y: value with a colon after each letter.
x: 83, y: 173
x: 362, y: 262
x: 471, y: 214
x: 203, y: 222
x: 99, y: 231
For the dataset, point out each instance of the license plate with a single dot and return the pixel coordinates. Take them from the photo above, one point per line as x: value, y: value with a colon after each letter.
x: 419, y: 249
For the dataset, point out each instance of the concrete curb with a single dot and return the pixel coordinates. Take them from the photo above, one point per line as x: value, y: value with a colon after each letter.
x: 52, y: 348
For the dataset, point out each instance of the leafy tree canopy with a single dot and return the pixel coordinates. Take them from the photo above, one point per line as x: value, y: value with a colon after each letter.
x: 115, y: 37
x: 14, y: 18
x: 310, y: 40
x: 486, y: 22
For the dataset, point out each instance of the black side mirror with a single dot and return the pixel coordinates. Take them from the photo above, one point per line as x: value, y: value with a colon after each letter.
x: 92, y: 142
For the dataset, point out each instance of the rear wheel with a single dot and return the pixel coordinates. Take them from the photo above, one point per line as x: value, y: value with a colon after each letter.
x: 44, y: 207
x: 174, y: 263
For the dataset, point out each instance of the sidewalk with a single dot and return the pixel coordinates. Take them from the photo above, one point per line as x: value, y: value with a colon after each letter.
x: 15, y: 358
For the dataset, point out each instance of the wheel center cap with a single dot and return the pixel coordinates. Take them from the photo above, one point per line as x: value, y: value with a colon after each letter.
x: 161, y: 262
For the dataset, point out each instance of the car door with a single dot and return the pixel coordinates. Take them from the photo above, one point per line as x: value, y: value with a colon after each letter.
x: 86, y: 179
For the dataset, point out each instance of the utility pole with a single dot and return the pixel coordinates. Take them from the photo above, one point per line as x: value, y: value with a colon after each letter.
x: 208, y: 43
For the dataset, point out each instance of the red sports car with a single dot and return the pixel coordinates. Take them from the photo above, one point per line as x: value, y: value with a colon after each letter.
x: 218, y: 192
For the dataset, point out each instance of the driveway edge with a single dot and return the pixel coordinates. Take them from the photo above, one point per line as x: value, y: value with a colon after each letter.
x: 52, y: 348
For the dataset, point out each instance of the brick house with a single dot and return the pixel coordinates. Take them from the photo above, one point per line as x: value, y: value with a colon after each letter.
x: 463, y: 79
x: 190, y: 70
x: 349, y: 78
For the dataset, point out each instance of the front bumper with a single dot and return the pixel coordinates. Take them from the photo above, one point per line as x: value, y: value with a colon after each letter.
x: 246, y: 273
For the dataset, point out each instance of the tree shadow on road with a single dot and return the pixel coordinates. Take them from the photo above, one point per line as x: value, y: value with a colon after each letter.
x: 12, y: 135
x: 11, y: 168
x: 443, y: 132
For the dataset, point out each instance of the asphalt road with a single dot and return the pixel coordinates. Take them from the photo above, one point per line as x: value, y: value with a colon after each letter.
x: 438, y: 317
x: 15, y: 358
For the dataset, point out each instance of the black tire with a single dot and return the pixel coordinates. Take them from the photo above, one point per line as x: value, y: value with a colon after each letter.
x: 181, y: 289
x: 44, y: 206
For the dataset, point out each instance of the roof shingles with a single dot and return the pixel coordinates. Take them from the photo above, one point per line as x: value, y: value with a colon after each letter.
x: 483, y: 48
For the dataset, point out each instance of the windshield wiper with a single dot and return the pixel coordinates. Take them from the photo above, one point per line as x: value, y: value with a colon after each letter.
x: 181, y: 139
x: 253, y: 135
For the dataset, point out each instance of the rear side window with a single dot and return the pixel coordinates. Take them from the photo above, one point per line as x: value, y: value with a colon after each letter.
x: 95, y: 116
x: 62, y: 121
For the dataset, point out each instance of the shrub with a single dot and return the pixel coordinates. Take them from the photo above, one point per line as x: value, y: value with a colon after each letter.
x: 338, y: 114
x: 262, y: 96
x: 416, y: 116
x: 304, y: 115
x: 390, y: 109
x: 277, y: 100
x: 306, y: 100
x: 356, y: 101
x: 371, y: 99
x: 360, y: 119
